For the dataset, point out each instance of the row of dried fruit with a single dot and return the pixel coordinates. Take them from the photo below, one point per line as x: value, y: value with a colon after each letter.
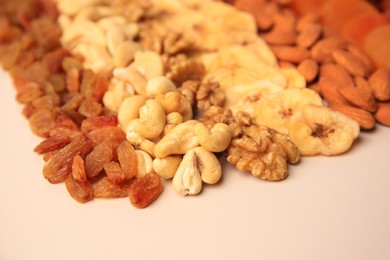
x: 332, y: 63
x: 83, y: 145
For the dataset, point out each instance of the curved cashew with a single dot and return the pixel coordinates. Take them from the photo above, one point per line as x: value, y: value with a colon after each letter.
x: 112, y: 99
x: 149, y: 63
x: 197, y: 165
x: 134, y: 77
x: 144, y: 163
x: 209, y: 165
x: 139, y: 141
x: 187, y: 180
x: 215, y: 140
x: 173, y: 119
x: 159, y: 85
x: 167, y: 167
x: 129, y: 110
x: 178, y: 141
x: 175, y: 102
x: 151, y: 120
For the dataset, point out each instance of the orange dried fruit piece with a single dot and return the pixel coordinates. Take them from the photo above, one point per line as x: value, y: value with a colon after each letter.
x: 114, y: 172
x: 96, y: 122
x: 59, y: 166
x: 375, y: 44
x: 95, y: 160
x: 42, y: 121
x: 78, y: 169
x: 336, y: 13
x: 104, y: 188
x: 80, y: 191
x: 114, y: 135
x: 358, y: 27
x: 52, y: 143
x: 127, y: 159
x: 302, y: 7
x: 144, y: 190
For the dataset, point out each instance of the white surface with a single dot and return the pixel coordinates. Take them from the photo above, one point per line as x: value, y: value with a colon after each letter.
x: 328, y: 208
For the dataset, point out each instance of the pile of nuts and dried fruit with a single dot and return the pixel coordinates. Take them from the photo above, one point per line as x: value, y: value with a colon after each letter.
x: 126, y: 93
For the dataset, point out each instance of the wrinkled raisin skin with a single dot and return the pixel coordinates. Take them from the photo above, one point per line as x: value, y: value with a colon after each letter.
x: 144, y: 190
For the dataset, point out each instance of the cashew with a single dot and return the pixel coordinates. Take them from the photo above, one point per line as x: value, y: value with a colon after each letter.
x: 144, y: 163
x: 124, y: 53
x: 151, y: 120
x: 197, y: 165
x: 129, y: 109
x: 93, y: 13
x: 72, y: 7
x: 209, y: 165
x: 187, y: 180
x: 134, y: 77
x: 178, y: 141
x: 83, y: 30
x: 114, y: 36
x: 112, y: 99
x: 149, y: 63
x: 167, y: 167
x: 139, y: 141
x: 175, y: 102
x: 159, y: 85
x: 173, y: 119
x: 113, y: 20
x: 131, y: 30
x: 215, y: 140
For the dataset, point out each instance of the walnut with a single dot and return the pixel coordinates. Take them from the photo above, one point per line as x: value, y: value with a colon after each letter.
x: 180, y: 69
x: 216, y: 114
x: 174, y: 43
x: 188, y: 89
x: 210, y: 94
x: 151, y: 36
x: 132, y: 10
x: 258, y: 149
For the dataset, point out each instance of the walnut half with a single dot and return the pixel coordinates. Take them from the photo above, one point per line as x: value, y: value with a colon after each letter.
x: 258, y: 149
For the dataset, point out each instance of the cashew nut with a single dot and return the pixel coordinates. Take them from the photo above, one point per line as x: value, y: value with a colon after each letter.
x: 178, y: 141
x: 197, y: 165
x: 134, y: 77
x: 173, y: 119
x: 129, y: 109
x: 209, y: 165
x: 167, y: 167
x: 124, y: 53
x: 215, y: 140
x: 159, y: 85
x: 144, y: 163
x: 139, y: 141
x: 175, y: 102
x: 112, y: 99
x: 187, y: 180
x: 149, y: 63
x: 151, y: 120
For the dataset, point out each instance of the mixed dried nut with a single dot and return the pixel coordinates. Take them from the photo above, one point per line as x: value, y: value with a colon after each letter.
x: 127, y: 94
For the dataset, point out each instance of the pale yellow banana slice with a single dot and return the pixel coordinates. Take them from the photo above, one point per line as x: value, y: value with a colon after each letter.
x: 275, y: 111
x: 262, y: 50
x: 245, y: 97
x: 239, y: 65
x: 209, y: 24
x: 319, y: 130
x: 294, y: 78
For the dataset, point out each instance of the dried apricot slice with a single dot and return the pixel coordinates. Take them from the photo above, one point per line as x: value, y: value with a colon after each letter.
x: 376, y: 47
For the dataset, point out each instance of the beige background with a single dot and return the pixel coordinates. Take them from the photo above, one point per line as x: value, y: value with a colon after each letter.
x: 329, y: 208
